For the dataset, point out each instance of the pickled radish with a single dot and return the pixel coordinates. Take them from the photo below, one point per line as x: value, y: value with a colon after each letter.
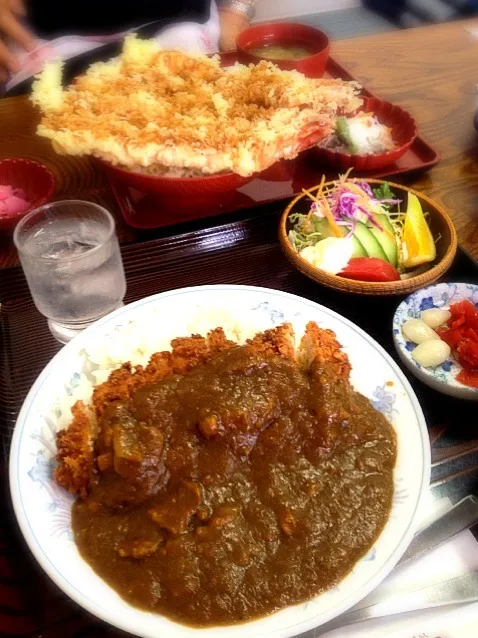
x: 431, y: 353
x: 418, y: 331
x: 435, y: 317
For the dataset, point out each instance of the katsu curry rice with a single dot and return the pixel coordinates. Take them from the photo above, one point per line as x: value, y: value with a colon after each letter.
x: 223, y: 482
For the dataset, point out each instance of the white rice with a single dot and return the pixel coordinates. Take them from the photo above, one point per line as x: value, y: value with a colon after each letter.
x: 158, y: 170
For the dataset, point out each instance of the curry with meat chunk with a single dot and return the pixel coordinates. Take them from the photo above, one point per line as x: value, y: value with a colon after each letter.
x: 224, y: 482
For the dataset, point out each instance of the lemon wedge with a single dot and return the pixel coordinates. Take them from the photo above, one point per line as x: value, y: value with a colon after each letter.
x: 417, y: 237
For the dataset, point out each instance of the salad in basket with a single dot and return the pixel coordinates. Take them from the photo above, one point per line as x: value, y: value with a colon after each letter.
x: 356, y: 231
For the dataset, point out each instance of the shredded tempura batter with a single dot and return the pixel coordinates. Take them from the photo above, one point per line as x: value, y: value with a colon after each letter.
x: 156, y: 111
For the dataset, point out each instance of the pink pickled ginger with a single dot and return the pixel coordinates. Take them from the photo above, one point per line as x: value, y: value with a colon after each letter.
x: 12, y: 201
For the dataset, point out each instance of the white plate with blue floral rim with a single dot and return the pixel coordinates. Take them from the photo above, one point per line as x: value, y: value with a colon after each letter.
x: 43, y: 509
x: 443, y: 377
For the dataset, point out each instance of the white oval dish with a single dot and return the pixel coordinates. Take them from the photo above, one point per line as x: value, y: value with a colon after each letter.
x: 443, y: 377
x: 43, y: 509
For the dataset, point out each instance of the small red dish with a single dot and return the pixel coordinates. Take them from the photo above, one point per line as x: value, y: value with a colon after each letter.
x: 313, y: 66
x: 404, y: 133
x: 34, y: 179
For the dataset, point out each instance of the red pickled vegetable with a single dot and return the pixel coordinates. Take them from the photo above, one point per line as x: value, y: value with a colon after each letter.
x: 462, y: 337
x: 471, y: 333
x: 467, y: 351
x: 466, y: 311
x: 451, y: 336
x: 12, y: 201
x: 468, y: 377
x: 370, y: 269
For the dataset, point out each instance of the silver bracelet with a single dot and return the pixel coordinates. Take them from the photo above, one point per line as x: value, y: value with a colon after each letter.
x: 241, y: 6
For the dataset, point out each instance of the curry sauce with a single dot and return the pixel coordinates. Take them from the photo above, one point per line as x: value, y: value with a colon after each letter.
x: 245, y: 485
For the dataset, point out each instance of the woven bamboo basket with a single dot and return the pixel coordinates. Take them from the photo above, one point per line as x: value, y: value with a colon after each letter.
x: 440, y: 224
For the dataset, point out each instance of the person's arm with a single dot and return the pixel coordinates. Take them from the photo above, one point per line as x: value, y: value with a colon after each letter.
x: 12, y: 30
x: 234, y: 17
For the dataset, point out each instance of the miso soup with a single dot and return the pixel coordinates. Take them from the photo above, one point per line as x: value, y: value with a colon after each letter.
x: 282, y: 51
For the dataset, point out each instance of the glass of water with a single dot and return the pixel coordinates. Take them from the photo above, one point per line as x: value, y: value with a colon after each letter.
x: 71, y: 258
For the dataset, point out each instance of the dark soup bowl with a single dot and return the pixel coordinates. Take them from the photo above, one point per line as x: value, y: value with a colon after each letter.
x: 308, y: 45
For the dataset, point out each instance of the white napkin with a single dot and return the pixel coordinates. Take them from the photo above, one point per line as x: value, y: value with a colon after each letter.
x: 455, y: 558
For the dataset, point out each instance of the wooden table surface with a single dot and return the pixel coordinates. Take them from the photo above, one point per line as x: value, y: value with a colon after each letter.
x: 431, y: 71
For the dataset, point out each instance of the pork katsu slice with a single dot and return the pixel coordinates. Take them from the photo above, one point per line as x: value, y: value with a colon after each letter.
x: 319, y: 348
x: 279, y: 340
x: 348, y: 415
x: 76, y: 471
x: 329, y: 372
x: 87, y: 444
x: 190, y: 352
x: 186, y: 354
x: 115, y: 443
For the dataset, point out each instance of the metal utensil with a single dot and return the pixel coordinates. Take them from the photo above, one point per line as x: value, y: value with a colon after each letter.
x: 463, y: 589
x: 460, y: 517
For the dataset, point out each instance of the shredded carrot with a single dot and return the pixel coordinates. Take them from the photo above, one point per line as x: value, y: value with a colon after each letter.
x: 319, y: 193
x: 345, y: 176
x: 333, y: 224
x: 326, y: 209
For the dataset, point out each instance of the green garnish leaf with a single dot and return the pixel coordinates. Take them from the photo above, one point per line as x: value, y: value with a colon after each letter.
x: 383, y: 192
x: 342, y: 129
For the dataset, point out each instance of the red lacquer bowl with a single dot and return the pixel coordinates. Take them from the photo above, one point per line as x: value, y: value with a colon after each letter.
x: 182, y: 187
x: 259, y: 35
x: 404, y: 132
x: 36, y: 180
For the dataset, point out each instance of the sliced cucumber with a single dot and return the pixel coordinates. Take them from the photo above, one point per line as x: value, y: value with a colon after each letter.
x: 359, y: 250
x: 386, y: 238
x: 342, y: 128
x: 372, y: 246
x: 323, y: 227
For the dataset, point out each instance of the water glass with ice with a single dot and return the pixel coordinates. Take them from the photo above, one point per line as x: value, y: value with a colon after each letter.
x: 72, y: 262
